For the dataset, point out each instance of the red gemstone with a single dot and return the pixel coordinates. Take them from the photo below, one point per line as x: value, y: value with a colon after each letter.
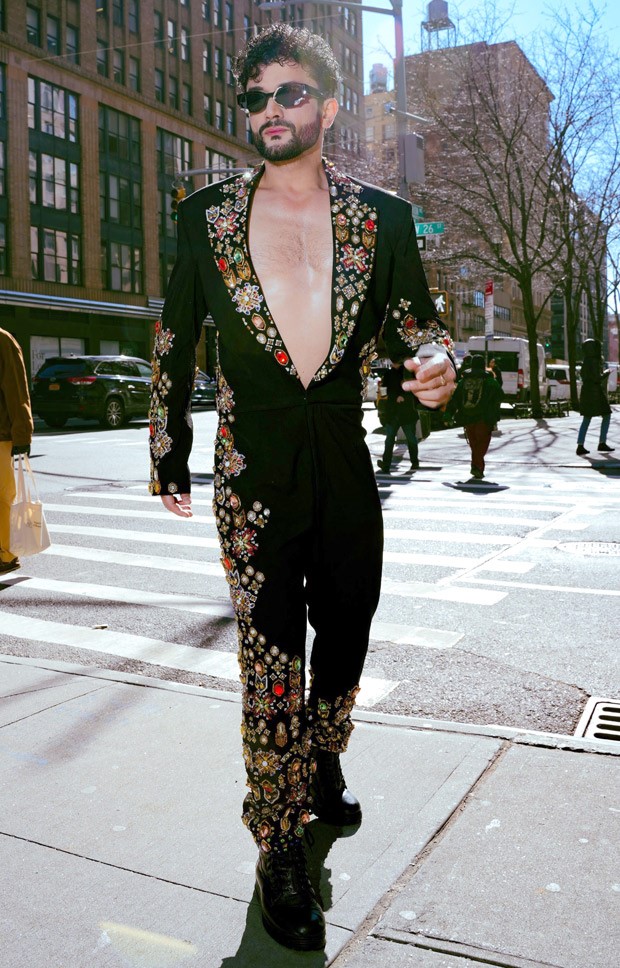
x: 281, y: 357
x: 410, y: 322
x: 278, y: 688
x: 227, y: 563
x: 370, y: 225
x: 222, y: 265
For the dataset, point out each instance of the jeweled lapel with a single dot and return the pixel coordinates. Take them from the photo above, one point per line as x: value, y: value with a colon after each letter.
x: 354, y: 228
x: 354, y: 224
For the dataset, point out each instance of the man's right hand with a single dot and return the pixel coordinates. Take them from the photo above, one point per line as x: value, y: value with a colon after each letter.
x: 179, y: 504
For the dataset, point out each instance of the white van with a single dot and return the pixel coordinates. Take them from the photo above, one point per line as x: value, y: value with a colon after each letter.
x: 512, y: 355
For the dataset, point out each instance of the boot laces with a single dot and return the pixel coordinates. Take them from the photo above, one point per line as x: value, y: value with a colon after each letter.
x: 289, y: 872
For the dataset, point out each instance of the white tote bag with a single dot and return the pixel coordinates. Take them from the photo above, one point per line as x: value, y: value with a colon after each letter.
x: 29, y: 534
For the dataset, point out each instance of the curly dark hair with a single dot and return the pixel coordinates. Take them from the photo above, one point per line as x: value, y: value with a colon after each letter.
x: 280, y: 43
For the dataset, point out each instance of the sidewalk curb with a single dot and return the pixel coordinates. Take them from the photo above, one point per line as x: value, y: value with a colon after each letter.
x: 523, y: 737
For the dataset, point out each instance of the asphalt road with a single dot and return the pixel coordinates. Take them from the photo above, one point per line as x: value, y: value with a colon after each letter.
x: 488, y: 615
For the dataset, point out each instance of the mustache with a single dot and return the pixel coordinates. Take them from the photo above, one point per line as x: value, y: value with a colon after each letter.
x: 276, y: 124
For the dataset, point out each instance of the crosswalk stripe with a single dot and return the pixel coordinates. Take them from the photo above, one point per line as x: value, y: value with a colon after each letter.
x: 403, y: 589
x: 404, y: 534
x: 116, y: 593
x: 380, y: 631
x: 222, y: 665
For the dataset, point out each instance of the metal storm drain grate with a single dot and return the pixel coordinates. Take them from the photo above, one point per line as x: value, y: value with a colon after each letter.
x: 600, y: 720
x: 590, y: 548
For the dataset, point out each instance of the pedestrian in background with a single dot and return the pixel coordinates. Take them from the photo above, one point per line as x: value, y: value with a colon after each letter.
x: 495, y: 371
x: 400, y: 411
x: 16, y: 429
x: 593, y: 401
x: 476, y: 405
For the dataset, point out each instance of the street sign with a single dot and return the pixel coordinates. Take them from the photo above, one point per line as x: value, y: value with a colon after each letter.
x: 429, y: 228
x: 489, y: 310
x: 422, y: 243
x: 418, y: 211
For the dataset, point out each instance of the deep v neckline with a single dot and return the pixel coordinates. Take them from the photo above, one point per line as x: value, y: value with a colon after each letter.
x: 354, y: 232
x: 294, y: 371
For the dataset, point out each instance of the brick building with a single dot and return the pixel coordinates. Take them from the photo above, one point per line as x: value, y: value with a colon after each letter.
x: 102, y: 102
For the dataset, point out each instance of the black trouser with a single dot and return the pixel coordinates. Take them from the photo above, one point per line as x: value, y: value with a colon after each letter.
x: 301, y: 531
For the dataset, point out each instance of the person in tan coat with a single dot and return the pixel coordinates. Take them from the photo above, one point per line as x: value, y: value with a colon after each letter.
x: 16, y: 429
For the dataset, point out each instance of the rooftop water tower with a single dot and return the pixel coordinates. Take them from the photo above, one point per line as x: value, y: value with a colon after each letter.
x: 437, y: 30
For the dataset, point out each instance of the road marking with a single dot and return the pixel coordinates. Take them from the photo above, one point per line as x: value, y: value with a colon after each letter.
x: 569, y: 589
x: 427, y: 638
x: 154, y: 515
x: 402, y: 589
x: 148, y: 537
x: 222, y: 665
x: 115, y: 593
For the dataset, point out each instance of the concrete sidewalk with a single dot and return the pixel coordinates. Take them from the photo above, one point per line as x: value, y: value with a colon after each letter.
x: 121, y: 843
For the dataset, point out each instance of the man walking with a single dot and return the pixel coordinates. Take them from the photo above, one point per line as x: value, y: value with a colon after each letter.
x: 400, y: 411
x: 476, y: 405
x: 298, y: 265
x: 16, y: 429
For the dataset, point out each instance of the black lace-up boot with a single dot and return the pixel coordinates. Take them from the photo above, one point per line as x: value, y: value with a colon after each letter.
x: 331, y: 801
x: 291, y: 913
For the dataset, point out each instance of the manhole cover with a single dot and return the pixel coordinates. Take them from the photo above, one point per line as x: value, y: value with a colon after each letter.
x: 600, y: 720
x: 591, y: 548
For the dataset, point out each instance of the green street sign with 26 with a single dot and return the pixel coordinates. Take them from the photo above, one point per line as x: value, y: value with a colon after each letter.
x: 429, y: 228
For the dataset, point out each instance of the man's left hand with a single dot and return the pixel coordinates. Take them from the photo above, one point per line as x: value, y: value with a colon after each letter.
x: 20, y: 449
x: 434, y: 380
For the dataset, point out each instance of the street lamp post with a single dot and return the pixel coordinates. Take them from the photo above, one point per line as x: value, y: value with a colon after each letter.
x: 400, y: 79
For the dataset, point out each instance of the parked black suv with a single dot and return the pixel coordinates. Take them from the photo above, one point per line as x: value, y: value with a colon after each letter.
x: 111, y: 389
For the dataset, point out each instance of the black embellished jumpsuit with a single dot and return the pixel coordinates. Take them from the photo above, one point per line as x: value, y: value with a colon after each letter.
x: 295, y: 502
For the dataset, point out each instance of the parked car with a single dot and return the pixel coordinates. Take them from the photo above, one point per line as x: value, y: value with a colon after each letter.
x: 371, y: 390
x: 110, y: 389
x: 558, y: 382
x: 203, y: 394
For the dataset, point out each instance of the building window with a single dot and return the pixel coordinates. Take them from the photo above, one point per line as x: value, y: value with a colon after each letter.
x: 219, y: 115
x: 4, y: 262
x: 206, y: 57
x: 33, y: 26
x: 186, y: 99
x: 2, y: 170
x: 217, y: 13
x: 102, y: 58
x: 230, y: 77
x: 158, y: 29
x: 229, y: 16
x: 117, y: 13
x: 219, y: 64
x: 2, y: 95
x: 172, y: 38
x: 218, y: 163
x: 134, y: 74
x: 72, y: 46
x: 173, y: 92
x: 173, y: 153
x: 118, y: 67
x: 55, y: 256
x: 54, y: 182
x: 121, y: 267
x: 230, y: 120
x: 52, y: 110
x: 133, y: 16
x: 206, y: 10
x: 247, y: 27
x: 208, y: 108
x: 119, y: 200
x: 159, y: 86
x: 53, y: 35
x: 119, y: 136
x: 184, y: 44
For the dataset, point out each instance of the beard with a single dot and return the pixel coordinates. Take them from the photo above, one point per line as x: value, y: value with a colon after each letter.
x: 301, y: 140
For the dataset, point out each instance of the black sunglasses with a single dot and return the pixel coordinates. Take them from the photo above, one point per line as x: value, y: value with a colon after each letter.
x: 290, y: 95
